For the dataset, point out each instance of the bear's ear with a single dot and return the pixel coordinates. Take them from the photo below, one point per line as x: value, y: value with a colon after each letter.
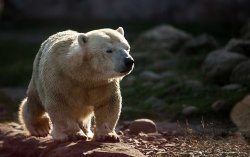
x: 82, y: 39
x: 120, y: 30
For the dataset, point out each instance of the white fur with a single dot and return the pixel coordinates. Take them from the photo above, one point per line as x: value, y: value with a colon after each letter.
x: 71, y: 81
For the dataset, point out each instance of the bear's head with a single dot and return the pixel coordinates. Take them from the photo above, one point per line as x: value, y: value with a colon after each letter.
x: 104, y: 54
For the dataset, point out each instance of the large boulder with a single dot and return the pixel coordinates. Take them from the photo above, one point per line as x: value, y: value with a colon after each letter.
x: 202, y: 43
x: 239, y: 46
x: 219, y: 64
x: 161, y: 38
x: 241, y: 73
x: 155, y: 103
x: 15, y: 143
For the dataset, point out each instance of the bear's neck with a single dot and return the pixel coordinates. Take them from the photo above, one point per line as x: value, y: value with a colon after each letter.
x: 90, y: 84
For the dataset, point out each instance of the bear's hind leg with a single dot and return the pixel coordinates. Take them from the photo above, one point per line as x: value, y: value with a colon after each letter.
x: 33, y: 118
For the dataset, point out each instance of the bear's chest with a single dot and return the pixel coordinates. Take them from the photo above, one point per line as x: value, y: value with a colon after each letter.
x: 90, y: 97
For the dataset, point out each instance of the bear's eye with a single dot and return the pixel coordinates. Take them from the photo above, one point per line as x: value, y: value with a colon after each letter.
x: 109, y: 51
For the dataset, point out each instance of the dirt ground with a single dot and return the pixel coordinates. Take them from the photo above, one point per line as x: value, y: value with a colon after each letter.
x: 174, y: 143
x: 159, y: 145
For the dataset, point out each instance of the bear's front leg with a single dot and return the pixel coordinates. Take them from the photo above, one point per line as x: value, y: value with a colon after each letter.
x: 106, y: 117
x: 64, y: 125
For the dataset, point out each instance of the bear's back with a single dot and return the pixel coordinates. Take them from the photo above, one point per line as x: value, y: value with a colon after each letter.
x: 47, y: 55
x: 60, y: 39
x: 53, y: 46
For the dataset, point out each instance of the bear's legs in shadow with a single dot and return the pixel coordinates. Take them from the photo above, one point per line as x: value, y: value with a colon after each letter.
x: 64, y: 127
x: 33, y: 117
x: 106, y: 118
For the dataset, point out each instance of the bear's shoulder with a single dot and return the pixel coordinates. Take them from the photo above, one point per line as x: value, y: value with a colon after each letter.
x: 60, y: 39
x: 63, y: 36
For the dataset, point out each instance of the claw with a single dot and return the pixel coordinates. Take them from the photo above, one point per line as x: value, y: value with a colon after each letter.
x: 113, y: 138
x: 70, y: 137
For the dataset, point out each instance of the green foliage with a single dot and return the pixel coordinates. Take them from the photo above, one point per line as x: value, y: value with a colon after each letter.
x: 16, y: 61
x: 176, y: 93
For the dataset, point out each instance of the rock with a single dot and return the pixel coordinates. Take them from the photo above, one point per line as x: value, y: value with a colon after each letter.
x: 150, y: 76
x: 232, y: 87
x: 169, y: 75
x: 219, y: 64
x: 158, y: 85
x: 14, y: 142
x: 195, y: 85
x: 233, y: 154
x: 218, y: 105
x: 240, y: 115
x: 189, y: 110
x: 160, y: 38
x: 142, y: 125
x: 239, y: 46
x: 174, y: 88
x: 241, y: 73
x: 201, y: 43
x: 155, y: 103
x: 187, y: 154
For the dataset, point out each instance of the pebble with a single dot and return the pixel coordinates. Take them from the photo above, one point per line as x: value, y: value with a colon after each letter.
x: 189, y: 110
x: 232, y: 87
x: 142, y: 125
x: 169, y: 75
x: 187, y: 155
x: 218, y: 105
x: 195, y: 85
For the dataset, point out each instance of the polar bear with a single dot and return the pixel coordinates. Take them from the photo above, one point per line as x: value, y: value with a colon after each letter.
x: 77, y: 76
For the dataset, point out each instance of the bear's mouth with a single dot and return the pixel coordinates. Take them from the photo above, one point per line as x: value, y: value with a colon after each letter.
x: 126, y: 70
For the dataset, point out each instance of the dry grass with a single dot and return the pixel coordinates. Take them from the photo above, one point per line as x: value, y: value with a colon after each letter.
x: 188, y: 145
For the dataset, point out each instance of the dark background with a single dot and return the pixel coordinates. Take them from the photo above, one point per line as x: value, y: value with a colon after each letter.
x: 221, y: 12
x: 25, y: 24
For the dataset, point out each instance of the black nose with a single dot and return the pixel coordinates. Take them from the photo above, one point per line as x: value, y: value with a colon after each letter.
x: 129, y: 62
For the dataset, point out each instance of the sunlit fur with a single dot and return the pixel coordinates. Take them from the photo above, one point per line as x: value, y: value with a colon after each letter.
x: 73, y: 79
